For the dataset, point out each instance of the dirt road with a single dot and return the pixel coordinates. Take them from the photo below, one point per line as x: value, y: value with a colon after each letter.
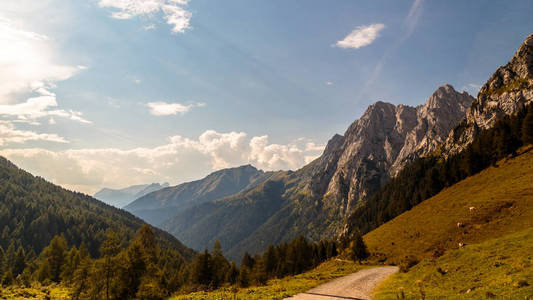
x: 355, y: 286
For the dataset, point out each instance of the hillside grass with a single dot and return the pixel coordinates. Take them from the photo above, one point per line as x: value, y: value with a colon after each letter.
x: 55, y: 292
x: 458, y: 252
x: 499, y: 268
x: 281, y: 288
x: 502, y: 201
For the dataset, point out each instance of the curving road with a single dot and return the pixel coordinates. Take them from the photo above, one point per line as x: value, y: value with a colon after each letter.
x: 355, y: 286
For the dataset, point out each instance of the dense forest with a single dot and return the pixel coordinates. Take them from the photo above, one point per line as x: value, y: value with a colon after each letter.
x: 426, y: 177
x: 143, y: 270
x: 33, y: 211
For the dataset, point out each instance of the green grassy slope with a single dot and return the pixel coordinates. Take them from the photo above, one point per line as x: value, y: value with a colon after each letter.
x: 499, y: 268
x: 502, y: 201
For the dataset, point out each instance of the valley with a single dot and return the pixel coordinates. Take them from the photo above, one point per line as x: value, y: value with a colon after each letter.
x: 229, y: 185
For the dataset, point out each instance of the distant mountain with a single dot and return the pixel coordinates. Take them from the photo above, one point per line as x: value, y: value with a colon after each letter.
x: 316, y: 199
x: 122, y: 197
x: 33, y: 211
x: 157, y: 206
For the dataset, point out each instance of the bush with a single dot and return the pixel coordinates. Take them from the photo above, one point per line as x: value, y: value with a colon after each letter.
x: 407, y: 263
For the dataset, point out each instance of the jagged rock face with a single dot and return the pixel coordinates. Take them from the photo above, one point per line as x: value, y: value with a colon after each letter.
x: 383, y: 140
x: 506, y: 92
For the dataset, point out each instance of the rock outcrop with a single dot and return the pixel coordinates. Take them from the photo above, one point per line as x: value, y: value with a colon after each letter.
x: 508, y: 90
x: 384, y: 139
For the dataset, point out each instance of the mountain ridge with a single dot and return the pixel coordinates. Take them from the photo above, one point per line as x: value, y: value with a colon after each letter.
x: 122, y: 197
x: 33, y: 211
x: 315, y: 199
x: 155, y: 207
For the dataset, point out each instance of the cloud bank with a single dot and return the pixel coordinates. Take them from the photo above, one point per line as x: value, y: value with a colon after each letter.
x: 180, y: 159
x: 172, y: 11
x: 361, y: 36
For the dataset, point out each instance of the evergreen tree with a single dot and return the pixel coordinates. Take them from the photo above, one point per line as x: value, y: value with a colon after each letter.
x: 201, y: 272
x: 20, y: 261
x: 220, y: 265
x: 244, y: 277
x: 108, y: 250
x: 527, y: 127
x: 72, y: 262
x: 80, y: 278
x: 247, y: 260
x: 10, y: 255
x: 8, y: 278
x: 270, y: 260
x: 2, y: 260
x: 233, y: 274
x: 259, y: 274
x: 53, y: 259
x: 358, y: 248
x: 135, y: 269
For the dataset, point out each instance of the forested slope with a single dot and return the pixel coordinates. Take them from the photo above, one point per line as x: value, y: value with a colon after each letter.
x: 33, y: 211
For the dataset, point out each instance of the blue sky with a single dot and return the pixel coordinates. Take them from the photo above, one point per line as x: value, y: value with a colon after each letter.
x: 117, y: 92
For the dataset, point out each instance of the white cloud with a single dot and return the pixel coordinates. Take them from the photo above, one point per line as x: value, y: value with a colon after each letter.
x: 27, y: 66
x: 329, y: 83
x: 27, y: 61
x: 149, y: 27
x: 409, y: 25
x: 161, y: 108
x: 173, y: 11
x: 8, y: 134
x: 39, y: 107
x: 361, y: 36
x: 412, y: 18
x: 179, y: 160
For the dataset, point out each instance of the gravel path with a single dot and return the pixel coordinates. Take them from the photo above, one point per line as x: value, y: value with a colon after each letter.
x: 355, y: 286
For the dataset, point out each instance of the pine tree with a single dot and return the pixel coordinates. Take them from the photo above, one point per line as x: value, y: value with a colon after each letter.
x: 8, y: 278
x: 72, y: 262
x: 259, y: 274
x: 20, y: 261
x: 135, y: 268
x: 10, y: 255
x: 55, y: 255
x: 220, y: 265
x: 359, y: 249
x: 244, y: 277
x: 2, y: 260
x: 270, y: 260
x: 201, y: 272
x: 247, y: 260
x: 233, y: 273
x: 108, y: 250
x: 146, y: 237
x: 80, y: 278
x: 527, y: 127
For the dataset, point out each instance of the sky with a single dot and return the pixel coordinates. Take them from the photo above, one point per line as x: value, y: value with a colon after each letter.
x: 111, y: 93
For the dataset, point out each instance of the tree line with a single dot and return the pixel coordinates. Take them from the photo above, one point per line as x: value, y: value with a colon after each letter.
x: 143, y: 270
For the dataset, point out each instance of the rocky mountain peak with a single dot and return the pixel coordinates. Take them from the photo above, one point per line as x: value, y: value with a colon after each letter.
x: 385, y: 138
x: 508, y: 90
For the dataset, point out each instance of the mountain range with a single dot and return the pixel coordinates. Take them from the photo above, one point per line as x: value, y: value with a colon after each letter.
x: 122, y: 197
x: 157, y: 206
x: 313, y: 201
x: 317, y: 199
